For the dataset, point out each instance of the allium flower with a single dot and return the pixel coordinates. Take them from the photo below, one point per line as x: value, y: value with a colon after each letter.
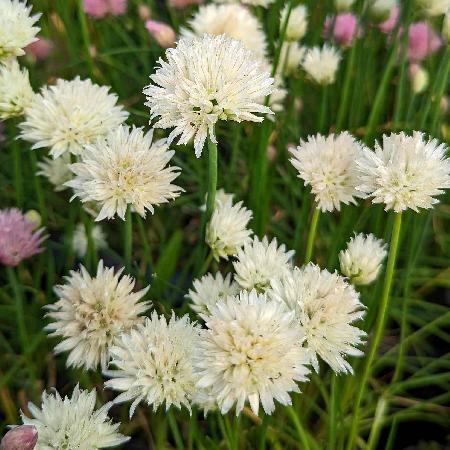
x: 221, y: 197
x: 433, y: 7
x: 17, y: 28
x: 227, y: 230
x: 297, y: 23
x: 422, y: 41
x: 380, y: 10
x: 343, y: 5
x: 15, y: 89
x: 258, y: 262
x: 321, y: 64
x: 233, y: 20
x: 155, y: 363
x: 125, y: 168
x: 92, y: 312
x: 23, y: 437
x: 100, y: 8
x: 206, y: 80
x: 251, y: 351
x: 389, y: 24
x: 404, y: 172
x: 325, y: 306
x: 73, y: 423
x: 163, y: 33
x: 341, y: 28
x: 39, y: 49
x: 209, y: 289
x: 18, y: 238
x: 56, y: 171
x: 80, y: 239
x: 328, y: 165
x: 69, y: 115
x: 291, y: 56
x: 361, y: 261
x: 419, y: 78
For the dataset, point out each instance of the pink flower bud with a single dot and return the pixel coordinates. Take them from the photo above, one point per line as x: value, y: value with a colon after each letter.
x: 342, y: 28
x: 23, y: 437
x: 99, y: 8
x: 161, y: 32
x: 144, y: 12
x: 180, y: 4
x: 40, y: 49
x: 422, y: 41
x: 388, y: 25
x: 117, y: 7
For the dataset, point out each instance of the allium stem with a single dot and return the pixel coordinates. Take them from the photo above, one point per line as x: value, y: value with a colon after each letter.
x: 323, y: 109
x: 128, y: 239
x: 17, y: 163
x: 283, y: 29
x: 212, y: 180
x: 298, y: 427
x: 89, y: 258
x: 312, y: 235
x: 85, y: 35
x: 379, y: 327
x: 332, y: 414
x: 38, y: 188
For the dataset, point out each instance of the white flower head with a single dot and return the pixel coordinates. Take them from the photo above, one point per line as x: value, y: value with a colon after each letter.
x: 325, y: 306
x: 205, y: 80
x: 73, y: 423
x: 56, y: 171
x: 67, y: 116
x: 125, y: 168
x: 405, y: 172
x: 263, y: 3
x: 291, y: 56
x: 92, y: 312
x: 251, y: 351
x: 17, y: 28
x: 297, y: 23
x: 155, y: 363
x: 209, y: 289
x: 362, y: 260
x: 258, y: 262
x: 232, y: 20
x: 321, y: 64
x: 15, y: 89
x: 433, y: 8
x: 227, y: 230
x: 221, y: 197
x: 328, y: 165
x: 80, y: 239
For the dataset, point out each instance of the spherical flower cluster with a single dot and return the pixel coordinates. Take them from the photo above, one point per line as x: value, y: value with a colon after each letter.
x: 321, y: 64
x: 56, y: 171
x: 92, y: 312
x: 325, y: 306
x: 155, y: 363
x: 251, y: 351
x: 328, y: 165
x: 73, y: 423
x: 227, y: 230
x: 67, y: 116
x: 80, y: 239
x: 18, y: 237
x: 125, y: 168
x: 203, y: 81
x: 297, y: 23
x: 23, y: 437
x: 341, y: 28
x: 361, y: 261
x: 422, y: 41
x: 404, y: 172
x: 232, y: 20
x: 258, y: 262
x: 17, y: 28
x: 209, y: 289
x: 15, y: 89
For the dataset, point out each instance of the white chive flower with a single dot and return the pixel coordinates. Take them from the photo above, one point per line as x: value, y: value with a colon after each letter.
x: 251, y: 352
x: 258, y: 262
x: 328, y: 165
x: 363, y: 258
x: 69, y: 115
x: 205, y: 80
x: 17, y: 27
x: 56, y: 171
x: 321, y: 64
x: 297, y: 22
x: 16, y: 92
x: 221, y: 197
x: 92, y: 312
x: 233, y: 20
x: 326, y: 307
x: 80, y: 239
x: 125, y: 168
x: 155, y: 363
x: 210, y: 289
x: 433, y: 8
x: 291, y: 56
x: 227, y: 230
x: 404, y: 172
x: 73, y: 423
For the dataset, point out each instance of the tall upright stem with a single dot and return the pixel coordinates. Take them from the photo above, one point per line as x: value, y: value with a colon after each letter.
x: 212, y: 180
x: 312, y: 235
x: 379, y: 327
x: 128, y: 239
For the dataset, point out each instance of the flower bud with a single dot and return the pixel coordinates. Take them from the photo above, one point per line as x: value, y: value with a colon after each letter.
x: 23, y: 437
x: 144, y: 12
x: 297, y: 23
x: 161, y: 32
x: 380, y: 10
x: 419, y: 78
x: 34, y: 217
x: 343, y: 5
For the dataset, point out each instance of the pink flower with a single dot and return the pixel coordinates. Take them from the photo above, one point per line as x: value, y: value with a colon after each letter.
x: 144, y: 12
x: 422, y: 41
x: 40, y: 49
x: 388, y: 25
x: 161, y: 32
x: 343, y: 30
x: 117, y: 7
x: 18, y: 239
x: 99, y: 8
x: 180, y: 4
x: 23, y: 437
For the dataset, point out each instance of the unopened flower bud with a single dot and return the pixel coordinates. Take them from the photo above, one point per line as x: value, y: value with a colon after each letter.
x: 161, y: 32
x: 23, y: 437
x: 34, y: 217
x: 419, y: 78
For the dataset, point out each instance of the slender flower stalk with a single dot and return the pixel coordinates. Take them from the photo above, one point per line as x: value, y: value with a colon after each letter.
x: 312, y: 234
x: 128, y: 239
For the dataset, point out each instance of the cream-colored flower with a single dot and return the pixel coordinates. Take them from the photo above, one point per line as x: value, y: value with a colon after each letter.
x: 205, y: 80
x: 297, y: 23
x: 321, y: 64
x: 56, y: 171
x: 80, y: 239
x: 92, y: 312
x: 291, y: 56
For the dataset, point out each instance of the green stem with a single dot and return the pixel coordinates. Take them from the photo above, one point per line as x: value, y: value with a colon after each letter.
x: 379, y: 327
x: 128, y: 239
x: 283, y: 29
x: 298, y: 427
x: 332, y: 415
x: 85, y: 35
x: 311, y: 235
x: 343, y: 107
x: 377, y: 423
x: 175, y: 431
x: 439, y: 89
x: 38, y: 187
x: 206, y: 264
x: 212, y: 180
x: 89, y: 258
x: 323, y: 110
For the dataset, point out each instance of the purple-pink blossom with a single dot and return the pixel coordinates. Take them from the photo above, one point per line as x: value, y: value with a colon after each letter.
x: 18, y: 238
x: 341, y: 28
x: 422, y: 41
x: 40, y: 49
x: 23, y: 437
x: 389, y: 24
x: 100, y: 8
x: 163, y: 34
